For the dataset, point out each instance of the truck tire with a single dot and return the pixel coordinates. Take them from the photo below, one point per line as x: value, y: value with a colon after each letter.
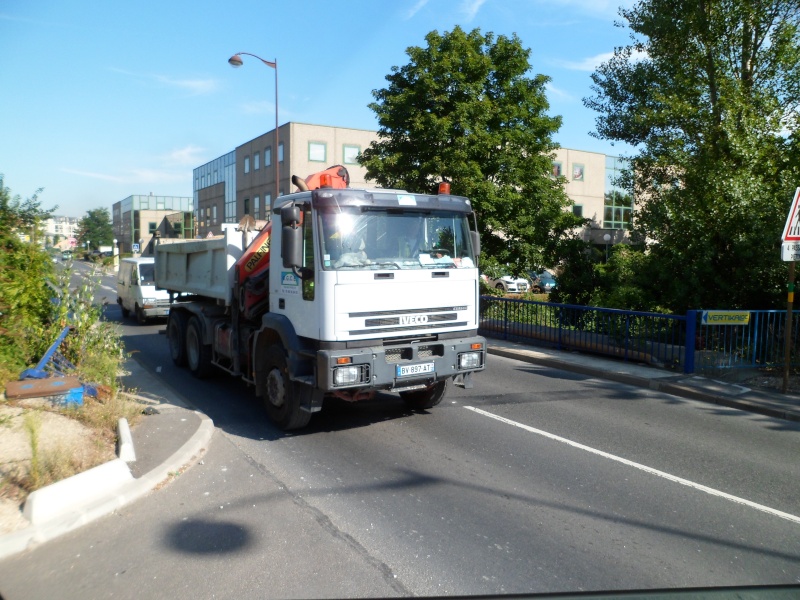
x: 427, y: 398
x: 198, y: 354
x: 280, y: 394
x: 140, y: 318
x: 176, y: 335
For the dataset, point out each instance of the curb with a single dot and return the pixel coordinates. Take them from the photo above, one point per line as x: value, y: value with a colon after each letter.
x: 59, y: 512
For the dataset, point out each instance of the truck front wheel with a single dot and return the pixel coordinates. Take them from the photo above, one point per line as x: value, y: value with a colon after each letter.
x: 176, y: 335
x: 279, y: 392
x: 427, y: 398
x: 198, y: 354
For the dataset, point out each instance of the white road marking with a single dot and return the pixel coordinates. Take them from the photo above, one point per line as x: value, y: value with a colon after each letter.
x: 646, y: 469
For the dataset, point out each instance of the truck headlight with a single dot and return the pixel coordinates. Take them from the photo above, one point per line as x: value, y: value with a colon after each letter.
x: 469, y: 360
x: 346, y: 375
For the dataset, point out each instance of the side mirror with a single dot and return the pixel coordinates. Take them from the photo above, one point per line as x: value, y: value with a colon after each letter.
x: 476, y: 242
x: 290, y: 215
x: 292, y: 246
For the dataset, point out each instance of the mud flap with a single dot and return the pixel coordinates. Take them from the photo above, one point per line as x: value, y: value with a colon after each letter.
x: 463, y: 380
x: 310, y: 397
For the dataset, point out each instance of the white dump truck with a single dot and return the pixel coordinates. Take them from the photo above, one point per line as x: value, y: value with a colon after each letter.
x: 345, y: 292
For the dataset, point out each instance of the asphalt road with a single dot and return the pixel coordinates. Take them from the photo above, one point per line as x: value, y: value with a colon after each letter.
x: 537, y: 480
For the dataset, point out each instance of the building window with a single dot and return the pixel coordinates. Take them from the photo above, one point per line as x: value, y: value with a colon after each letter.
x: 577, y: 210
x: 246, y: 164
x: 214, y: 215
x: 267, y: 205
x: 280, y: 152
x: 151, y: 227
x: 618, y: 209
x: 557, y: 169
x: 577, y: 172
x: 350, y: 154
x: 267, y: 156
x: 247, y: 206
x: 256, y: 207
x: 256, y: 161
x: 317, y: 152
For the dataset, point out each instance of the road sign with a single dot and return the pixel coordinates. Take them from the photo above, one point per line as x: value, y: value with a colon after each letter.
x: 135, y: 248
x: 790, y: 251
x: 791, y: 230
x: 725, y: 317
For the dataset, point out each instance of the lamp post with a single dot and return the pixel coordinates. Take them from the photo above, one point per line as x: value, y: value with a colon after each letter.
x: 236, y: 62
x: 607, y: 238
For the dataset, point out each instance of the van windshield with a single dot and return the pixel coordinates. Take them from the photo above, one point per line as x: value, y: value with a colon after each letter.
x: 147, y: 273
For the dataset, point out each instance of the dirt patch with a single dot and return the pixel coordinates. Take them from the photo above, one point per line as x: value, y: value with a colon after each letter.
x: 64, y: 446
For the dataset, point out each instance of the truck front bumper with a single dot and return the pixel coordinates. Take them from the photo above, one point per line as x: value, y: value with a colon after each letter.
x: 401, y: 367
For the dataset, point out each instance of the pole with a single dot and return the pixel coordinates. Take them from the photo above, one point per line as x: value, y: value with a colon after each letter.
x: 787, y: 332
x: 277, y: 153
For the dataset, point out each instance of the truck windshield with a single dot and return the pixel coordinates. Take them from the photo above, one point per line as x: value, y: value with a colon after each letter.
x: 394, y: 239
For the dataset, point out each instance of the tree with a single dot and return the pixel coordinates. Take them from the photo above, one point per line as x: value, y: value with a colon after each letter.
x: 464, y: 110
x: 96, y: 228
x: 707, y: 94
x: 24, y: 266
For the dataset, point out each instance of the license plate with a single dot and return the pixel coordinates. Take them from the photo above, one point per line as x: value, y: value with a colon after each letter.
x: 406, y: 370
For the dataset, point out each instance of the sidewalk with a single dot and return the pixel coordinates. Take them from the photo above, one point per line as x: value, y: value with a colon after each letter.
x: 694, y: 387
x: 172, y: 436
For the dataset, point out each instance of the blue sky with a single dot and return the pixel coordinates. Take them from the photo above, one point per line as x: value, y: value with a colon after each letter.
x: 101, y: 100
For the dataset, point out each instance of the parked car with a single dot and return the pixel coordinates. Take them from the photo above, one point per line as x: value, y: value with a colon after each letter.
x: 507, y: 283
x: 66, y: 255
x: 542, y: 282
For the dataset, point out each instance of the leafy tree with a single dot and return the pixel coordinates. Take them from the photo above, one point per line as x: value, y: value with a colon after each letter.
x: 96, y: 228
x: 24, y: 266
x: 707, y: 93
x: 464, y: 110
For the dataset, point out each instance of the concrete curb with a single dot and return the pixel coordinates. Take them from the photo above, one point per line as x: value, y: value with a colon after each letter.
x: 99, y: 496
x: 125, y: 450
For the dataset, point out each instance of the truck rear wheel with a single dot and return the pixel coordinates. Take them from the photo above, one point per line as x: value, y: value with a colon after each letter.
x: 198, y: 354
x: 427, y: 398
x: 140, y: 318
x: 176, y: 335
x: 280, y: 394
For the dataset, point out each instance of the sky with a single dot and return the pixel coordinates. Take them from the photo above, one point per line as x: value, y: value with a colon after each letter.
x: 103, y: 100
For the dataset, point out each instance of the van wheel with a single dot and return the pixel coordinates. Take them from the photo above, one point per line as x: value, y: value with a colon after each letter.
x: 198, y: 354
x: 427, y: 398
x: 280, y: 394
x: 125, y: 312
x: 176, y: 335
x: 140, y: 318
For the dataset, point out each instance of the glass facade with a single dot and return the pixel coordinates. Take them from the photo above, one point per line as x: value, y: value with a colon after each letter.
x: 219, y: 170
x: 618, y: 201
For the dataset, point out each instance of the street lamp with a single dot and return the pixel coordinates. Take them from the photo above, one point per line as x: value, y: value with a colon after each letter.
x: 607, y: 238
x: 236, y: 62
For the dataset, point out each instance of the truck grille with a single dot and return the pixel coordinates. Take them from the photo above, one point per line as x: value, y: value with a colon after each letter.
x: 397, y: 355
x: 396, y: 321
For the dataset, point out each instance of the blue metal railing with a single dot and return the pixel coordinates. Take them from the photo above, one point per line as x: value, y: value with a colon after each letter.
x: 679, y: 342
x: 758, y: 343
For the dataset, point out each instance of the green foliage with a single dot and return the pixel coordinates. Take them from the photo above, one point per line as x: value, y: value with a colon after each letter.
x: 96, y: 228
x: 36, y: 302
x: 707, y: 94
x: 465, y: 110
x: 578, y: 277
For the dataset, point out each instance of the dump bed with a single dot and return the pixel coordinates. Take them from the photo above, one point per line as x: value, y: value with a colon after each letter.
x: 204, y: 267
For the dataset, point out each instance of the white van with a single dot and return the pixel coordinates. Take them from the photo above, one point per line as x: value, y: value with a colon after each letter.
x: 136, y: 290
